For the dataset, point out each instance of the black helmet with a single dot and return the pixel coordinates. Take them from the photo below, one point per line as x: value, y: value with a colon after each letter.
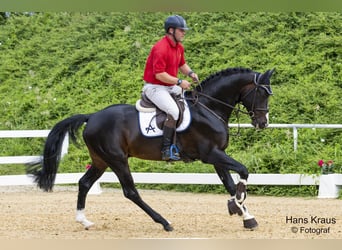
x: 175, y: 22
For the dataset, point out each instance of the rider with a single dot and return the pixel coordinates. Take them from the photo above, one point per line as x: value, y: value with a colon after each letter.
x: 165, y: 59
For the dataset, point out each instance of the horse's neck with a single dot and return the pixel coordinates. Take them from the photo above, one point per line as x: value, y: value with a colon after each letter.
x: 224, y: 93
x: 227, y: 88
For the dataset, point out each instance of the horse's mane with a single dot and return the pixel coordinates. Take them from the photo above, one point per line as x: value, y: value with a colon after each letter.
x: 224, y: 72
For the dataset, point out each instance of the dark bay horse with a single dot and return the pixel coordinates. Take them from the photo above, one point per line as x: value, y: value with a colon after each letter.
x: 112, y: 135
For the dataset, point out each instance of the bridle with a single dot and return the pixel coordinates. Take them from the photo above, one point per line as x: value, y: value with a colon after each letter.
x: 241, y: 99
x: 254, y: 90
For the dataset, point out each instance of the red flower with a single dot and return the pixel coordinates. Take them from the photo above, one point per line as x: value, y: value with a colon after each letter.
x: 320, y: 163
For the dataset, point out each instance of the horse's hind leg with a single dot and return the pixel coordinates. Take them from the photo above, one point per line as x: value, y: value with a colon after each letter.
x: 124, y: 175
x: 85, y: 183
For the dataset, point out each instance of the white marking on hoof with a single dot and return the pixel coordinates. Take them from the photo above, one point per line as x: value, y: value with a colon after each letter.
x: 80, y: 217
x: 248, y: 216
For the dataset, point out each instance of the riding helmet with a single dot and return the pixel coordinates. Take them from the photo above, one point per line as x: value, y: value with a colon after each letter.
x: 175, y: 21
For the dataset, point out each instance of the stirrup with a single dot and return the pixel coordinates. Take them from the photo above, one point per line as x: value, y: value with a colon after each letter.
x: 171, y: 154
x: 174, y: 153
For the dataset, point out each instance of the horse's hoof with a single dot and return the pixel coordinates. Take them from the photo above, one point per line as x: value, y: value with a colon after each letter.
x: 86, y: 227
x: 250, y: 223
x: 168, y: 228
x: 233, y: 208
x: 86, y: 223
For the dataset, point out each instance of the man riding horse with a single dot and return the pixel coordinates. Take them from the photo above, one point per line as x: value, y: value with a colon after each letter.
x: 113, y: 135
x: 165, y: 59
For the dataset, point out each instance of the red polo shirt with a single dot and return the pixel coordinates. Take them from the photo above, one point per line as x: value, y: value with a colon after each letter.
x: 165, y: 56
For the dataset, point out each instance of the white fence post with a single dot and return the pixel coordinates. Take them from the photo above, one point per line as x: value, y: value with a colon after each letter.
x: 65, y: 145
x: 295, y: 138
x: 95, y: 189
x: 329, y: 185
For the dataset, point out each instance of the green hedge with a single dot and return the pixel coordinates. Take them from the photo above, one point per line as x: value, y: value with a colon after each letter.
x: 54, y: 65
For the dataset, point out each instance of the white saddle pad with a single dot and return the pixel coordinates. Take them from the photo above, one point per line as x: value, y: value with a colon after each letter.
x: 148, y: 125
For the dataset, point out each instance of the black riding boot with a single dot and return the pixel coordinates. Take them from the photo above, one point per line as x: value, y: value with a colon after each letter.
x: 169, y: 153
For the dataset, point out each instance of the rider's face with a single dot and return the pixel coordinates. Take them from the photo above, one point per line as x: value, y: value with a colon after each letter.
x: 179, y: 35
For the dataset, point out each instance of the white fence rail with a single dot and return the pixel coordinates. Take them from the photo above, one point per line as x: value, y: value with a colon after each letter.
x: 27, y: 134
x: 44, y: 133
x: 294, y: 127
x: 329, y: 185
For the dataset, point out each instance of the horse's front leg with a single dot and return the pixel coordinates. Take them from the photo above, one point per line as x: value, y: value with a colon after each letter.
x: 236, y: 205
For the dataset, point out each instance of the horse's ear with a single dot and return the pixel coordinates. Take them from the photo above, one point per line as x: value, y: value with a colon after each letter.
x: 270, y: 72
x: 267, y: 75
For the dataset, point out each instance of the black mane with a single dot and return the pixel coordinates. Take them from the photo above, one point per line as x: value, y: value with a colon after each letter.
x: 224, y: 72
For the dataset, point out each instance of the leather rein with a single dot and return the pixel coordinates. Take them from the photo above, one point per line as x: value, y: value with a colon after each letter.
x: 237, y: 109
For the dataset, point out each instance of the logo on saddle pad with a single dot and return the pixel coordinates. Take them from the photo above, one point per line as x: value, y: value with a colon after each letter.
x: 151, y: 119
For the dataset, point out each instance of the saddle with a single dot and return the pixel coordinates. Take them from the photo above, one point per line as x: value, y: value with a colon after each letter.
x: 146, y: 106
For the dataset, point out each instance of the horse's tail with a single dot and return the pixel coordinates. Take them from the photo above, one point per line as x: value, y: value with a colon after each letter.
x: 44, y: 171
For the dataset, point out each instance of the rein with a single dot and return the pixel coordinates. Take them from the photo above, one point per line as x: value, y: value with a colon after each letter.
x: 238, y: 110
x: 221, y: 102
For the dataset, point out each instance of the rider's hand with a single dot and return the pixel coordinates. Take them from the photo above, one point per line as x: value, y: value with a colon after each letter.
x: 185, y: 84
x: 194, y: 77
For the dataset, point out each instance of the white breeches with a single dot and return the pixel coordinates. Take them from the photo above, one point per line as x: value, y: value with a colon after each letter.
x: 160, y: 96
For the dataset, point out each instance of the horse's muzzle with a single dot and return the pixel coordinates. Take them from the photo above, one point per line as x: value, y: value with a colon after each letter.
x: 260, y: 122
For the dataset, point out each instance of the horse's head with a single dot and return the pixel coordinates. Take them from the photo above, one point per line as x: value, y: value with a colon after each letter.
x: 255, y: 98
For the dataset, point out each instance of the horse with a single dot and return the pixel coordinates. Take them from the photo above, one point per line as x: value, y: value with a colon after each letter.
x: 112, y: 135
